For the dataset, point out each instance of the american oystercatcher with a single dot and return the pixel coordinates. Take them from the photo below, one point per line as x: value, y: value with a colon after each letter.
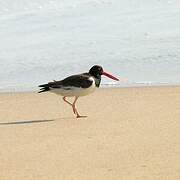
x: 77, y: 85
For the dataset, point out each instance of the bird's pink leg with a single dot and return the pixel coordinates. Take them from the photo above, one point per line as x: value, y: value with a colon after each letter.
x: 73, y: 106
x: 64, y: 98
x: 75, y: 110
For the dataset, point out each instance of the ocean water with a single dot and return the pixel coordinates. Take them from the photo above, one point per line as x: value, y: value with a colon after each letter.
x: 43, y: 40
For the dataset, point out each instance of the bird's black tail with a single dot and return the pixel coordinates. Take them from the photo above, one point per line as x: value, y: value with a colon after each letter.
x: 44, y: 88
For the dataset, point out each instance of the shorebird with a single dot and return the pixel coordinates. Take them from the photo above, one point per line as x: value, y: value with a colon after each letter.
x: 77, y: 85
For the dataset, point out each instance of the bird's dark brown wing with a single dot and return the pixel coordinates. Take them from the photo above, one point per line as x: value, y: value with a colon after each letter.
x: 81, y: 80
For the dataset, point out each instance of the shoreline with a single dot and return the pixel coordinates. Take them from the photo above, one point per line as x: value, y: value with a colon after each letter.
x: 103, y: 86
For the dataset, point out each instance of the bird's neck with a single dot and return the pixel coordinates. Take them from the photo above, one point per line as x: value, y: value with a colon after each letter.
x: 97, y: 81
x: 97, y: 78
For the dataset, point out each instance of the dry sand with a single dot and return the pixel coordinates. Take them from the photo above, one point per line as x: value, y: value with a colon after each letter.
x: 129, y: 134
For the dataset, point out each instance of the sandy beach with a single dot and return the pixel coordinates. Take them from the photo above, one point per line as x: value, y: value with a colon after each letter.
x: 130, y: 133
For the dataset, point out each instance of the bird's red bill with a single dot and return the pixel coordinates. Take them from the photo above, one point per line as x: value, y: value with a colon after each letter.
x: 110, y: 76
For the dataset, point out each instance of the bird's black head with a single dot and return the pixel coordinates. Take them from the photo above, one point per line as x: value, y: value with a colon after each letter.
x: 96, y: 71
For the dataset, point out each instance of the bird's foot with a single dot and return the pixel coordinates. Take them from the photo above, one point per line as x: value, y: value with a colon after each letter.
x: 76, y: 112
x: 79, y: 116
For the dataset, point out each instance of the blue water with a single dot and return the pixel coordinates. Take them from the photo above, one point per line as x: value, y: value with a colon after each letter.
x: 138, y: 41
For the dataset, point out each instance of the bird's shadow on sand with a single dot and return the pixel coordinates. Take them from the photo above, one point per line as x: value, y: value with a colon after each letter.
x: 32, y: 121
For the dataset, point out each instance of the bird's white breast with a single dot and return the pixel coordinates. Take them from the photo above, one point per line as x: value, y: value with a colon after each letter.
x: 75, y: 91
